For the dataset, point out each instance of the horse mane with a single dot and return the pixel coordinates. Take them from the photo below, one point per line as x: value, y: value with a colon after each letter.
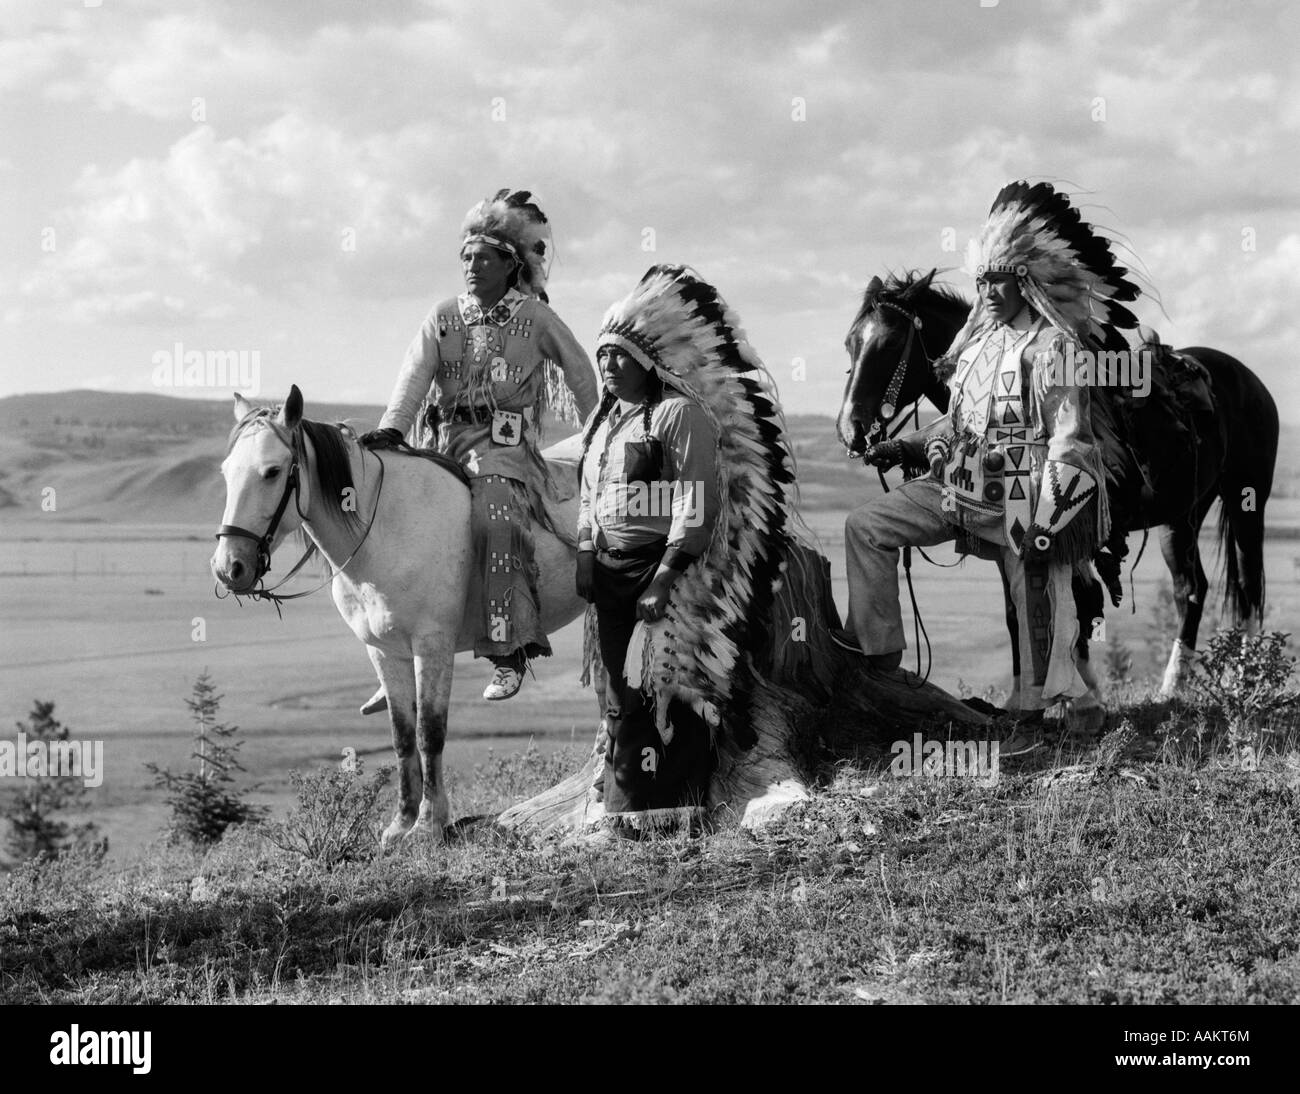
x: 902, y: 288
x: 333, y: 467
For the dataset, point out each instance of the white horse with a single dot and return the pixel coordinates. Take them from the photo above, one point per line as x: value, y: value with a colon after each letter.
x: 395, y: 529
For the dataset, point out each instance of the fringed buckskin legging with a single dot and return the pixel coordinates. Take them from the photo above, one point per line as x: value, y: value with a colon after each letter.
x: 502, y: 538
x: 641, y: 772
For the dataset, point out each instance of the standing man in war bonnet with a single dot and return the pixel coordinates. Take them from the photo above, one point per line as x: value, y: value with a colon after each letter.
x: 483, y: 366
x: 1016, y: 472
x: 685, y: 476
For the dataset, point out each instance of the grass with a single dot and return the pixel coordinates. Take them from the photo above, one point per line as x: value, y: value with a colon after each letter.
x: 1131, y: 870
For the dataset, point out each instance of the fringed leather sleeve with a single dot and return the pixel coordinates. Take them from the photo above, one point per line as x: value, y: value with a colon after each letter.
x: 571, y: 391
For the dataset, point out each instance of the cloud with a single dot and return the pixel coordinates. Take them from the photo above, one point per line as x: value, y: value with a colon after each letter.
x: 295, y: 208
x: 1218, y: 293
x: 144, y: 307
x: 298, y: 164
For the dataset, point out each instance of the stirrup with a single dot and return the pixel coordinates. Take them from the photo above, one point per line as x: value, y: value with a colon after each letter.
x: 505, y: 683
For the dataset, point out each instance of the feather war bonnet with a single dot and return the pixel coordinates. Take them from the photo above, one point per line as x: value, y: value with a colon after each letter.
x: 715, y: 635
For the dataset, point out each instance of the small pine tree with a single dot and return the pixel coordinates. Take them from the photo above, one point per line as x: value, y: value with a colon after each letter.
x: 204, y: 803
x: 34, y: 827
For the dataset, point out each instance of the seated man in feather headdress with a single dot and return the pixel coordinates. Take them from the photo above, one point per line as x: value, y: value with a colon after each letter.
x: 1014, y: 466
x: 485, y: 364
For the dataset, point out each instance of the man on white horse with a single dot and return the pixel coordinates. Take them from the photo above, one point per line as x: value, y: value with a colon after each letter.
x: 1015, y: 469
x: 485, y: 364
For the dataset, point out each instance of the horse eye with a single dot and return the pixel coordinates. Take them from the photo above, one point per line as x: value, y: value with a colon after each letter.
x: 271, y: 473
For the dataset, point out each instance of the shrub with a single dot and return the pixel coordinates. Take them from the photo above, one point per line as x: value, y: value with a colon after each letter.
x: 337, y: 818
x: 204, y: 803
x: 1244, y: 683
x: 500, y: 781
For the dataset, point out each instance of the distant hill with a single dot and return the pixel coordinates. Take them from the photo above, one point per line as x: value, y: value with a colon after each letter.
x: 124, y: 457
x: 77, y: 412
x: 145, y: 458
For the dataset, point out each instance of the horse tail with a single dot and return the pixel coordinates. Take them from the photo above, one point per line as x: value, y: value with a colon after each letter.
x: 1244, y: 487
x: 1241, y: 538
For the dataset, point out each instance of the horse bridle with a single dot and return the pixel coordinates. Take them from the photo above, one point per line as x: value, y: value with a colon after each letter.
x: 889, y: 404
x: 292, y: 488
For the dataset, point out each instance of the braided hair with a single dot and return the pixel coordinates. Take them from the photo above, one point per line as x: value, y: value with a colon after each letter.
x: 607, y: 402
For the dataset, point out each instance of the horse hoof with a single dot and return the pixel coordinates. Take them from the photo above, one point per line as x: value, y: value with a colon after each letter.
x: 397, y: 830
x: 376, y: 703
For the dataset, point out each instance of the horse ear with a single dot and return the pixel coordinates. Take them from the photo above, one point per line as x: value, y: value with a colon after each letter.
x: 875, y: 286
x: 291, y: 412
x: 243, y: 408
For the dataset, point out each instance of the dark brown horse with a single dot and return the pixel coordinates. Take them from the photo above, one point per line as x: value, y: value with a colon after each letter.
x: 1211, y: 434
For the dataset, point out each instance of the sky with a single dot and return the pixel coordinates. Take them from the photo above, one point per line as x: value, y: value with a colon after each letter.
x: 288, y: 179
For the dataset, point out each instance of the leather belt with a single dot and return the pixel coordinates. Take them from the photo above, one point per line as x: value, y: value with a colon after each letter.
x: 648, y: 550
x: 614, y: 552
x: 468, y: 416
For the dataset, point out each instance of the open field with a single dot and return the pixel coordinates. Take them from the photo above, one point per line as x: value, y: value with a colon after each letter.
x: 100, y: 619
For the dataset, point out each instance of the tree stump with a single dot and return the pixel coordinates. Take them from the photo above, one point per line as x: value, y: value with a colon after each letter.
x: 814, y: 703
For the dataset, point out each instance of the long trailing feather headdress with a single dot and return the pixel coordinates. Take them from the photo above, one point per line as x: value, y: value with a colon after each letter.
x: 512, y: 222
x: 715, y: 634
x: 1065, y: 268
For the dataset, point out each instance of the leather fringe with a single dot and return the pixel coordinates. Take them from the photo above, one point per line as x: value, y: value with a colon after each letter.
x: 590, y: 646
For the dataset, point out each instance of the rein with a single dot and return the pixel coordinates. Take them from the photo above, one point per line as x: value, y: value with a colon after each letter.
x: 292, y: 488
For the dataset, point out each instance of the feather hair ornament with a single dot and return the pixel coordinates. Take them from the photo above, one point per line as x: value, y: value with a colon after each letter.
x: 512, y: 222
x: 1065, y: 268
x: 714, y: 640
